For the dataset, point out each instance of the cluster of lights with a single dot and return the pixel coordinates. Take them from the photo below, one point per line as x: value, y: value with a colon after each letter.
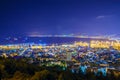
x: 105, y: 44
x: 100, y: 44
x: 92, y: 44
x: 85, y: 44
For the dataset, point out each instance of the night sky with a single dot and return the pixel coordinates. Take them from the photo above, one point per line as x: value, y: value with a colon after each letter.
x: 24, y: 17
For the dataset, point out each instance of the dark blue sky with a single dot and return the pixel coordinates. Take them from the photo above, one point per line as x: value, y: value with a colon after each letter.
x: 59, y: 17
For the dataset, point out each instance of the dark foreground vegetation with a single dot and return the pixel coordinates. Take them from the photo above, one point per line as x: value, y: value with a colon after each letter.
x: 20, y: 69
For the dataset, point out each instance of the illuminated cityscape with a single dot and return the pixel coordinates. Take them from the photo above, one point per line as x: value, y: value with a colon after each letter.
x: 59, y: 40
x: 96, y: 55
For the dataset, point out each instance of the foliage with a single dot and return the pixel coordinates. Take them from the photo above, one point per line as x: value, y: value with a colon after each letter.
x: 20, y: 69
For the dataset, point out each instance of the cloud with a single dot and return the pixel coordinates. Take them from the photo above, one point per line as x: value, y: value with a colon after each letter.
x: 104, y: 16
x: 100, y: 17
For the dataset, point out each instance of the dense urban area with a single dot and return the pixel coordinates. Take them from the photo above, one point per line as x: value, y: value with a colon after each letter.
x: 97, y: 60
